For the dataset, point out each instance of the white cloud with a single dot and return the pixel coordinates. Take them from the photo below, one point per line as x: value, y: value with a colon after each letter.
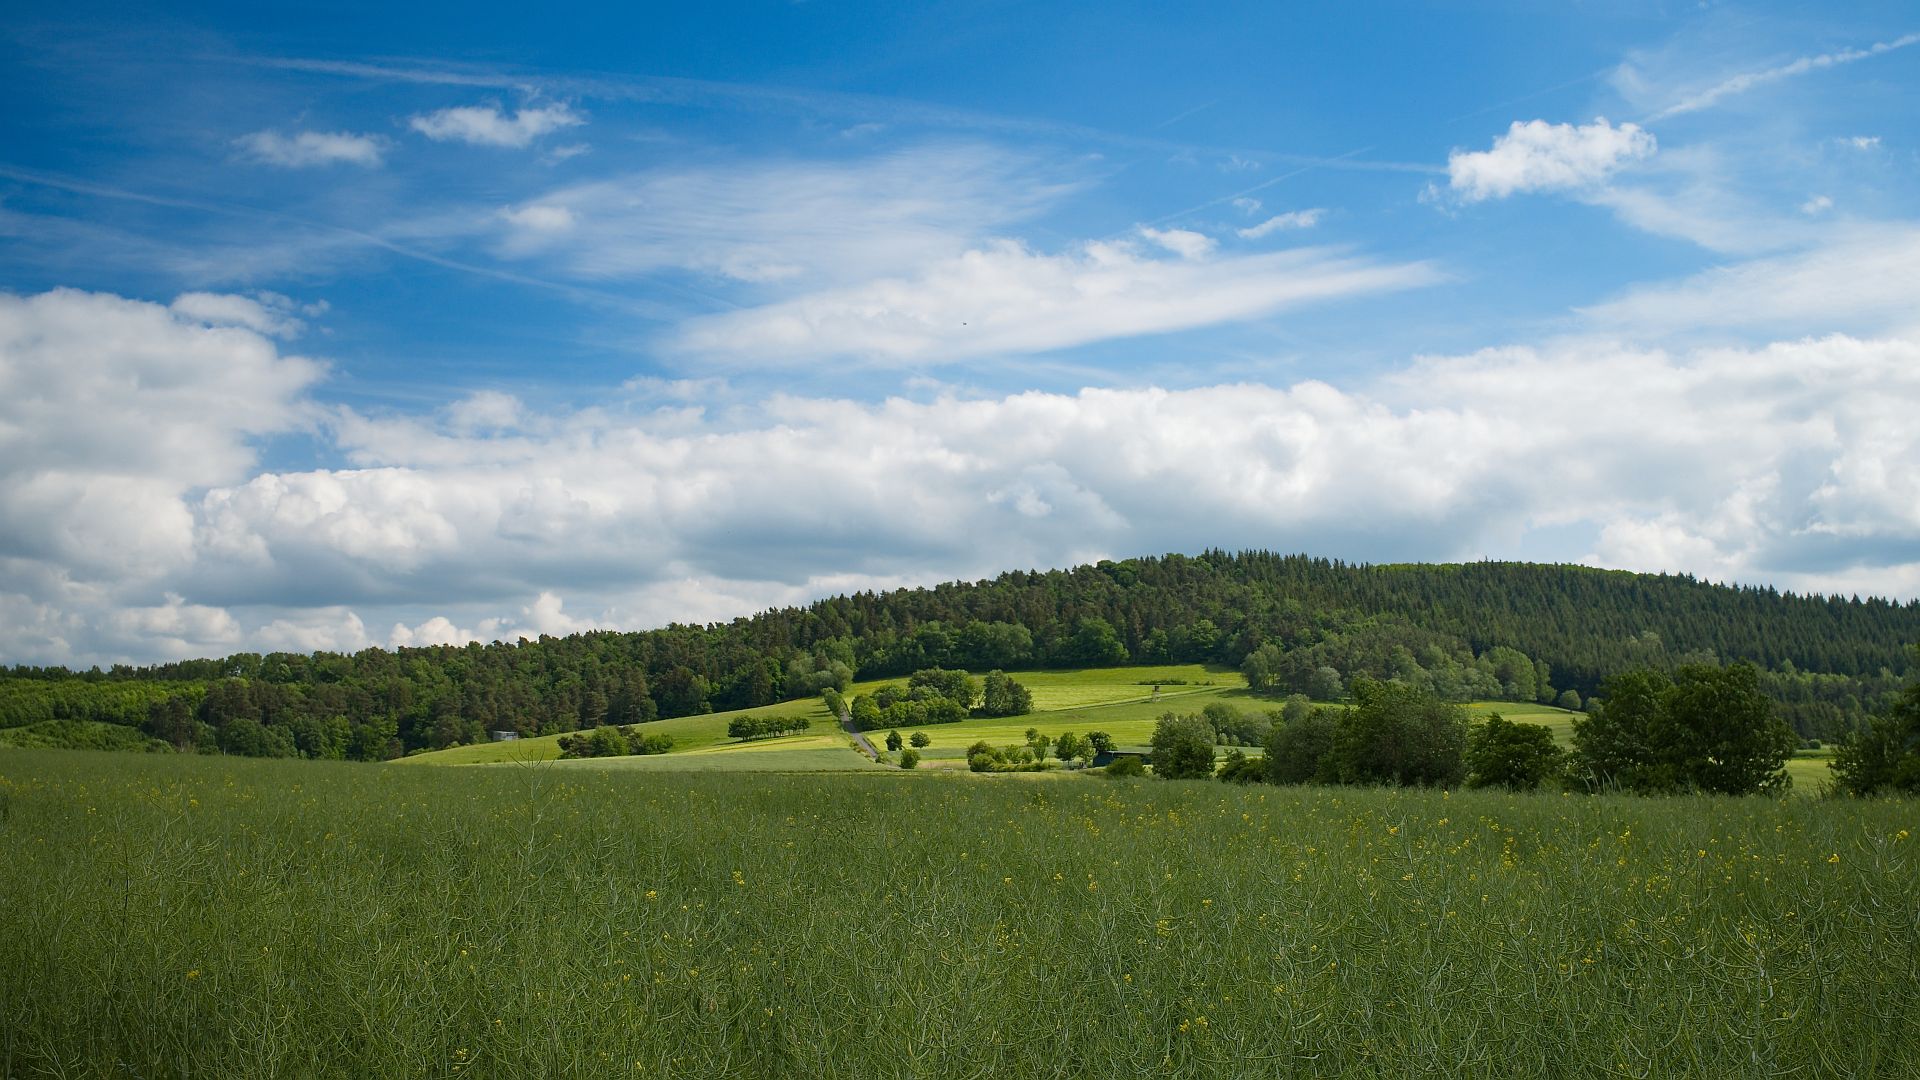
x: 487, y: 125
x: 1537, y: 156
x: 1786, y: 463
x: 1863, y: 280
x: 1007, y: 299
x: 1819, y: 204
x: 306, y: 149
x: 264, y: 313
x: 791, y: 221
x: 1247, y: 205
x: 1292, y: 219
x: 1745, y: 81
x: 1862, y: 142
x: 1182, y: 242
x: 539, y: 217
x: 111, y: 411
x: 328, y: 629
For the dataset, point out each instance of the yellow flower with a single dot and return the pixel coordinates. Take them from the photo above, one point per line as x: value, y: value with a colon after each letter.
x: 1834, y: 858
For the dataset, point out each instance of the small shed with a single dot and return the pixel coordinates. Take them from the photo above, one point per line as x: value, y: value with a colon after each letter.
x: 505, y: 736
x: 1107, y: 757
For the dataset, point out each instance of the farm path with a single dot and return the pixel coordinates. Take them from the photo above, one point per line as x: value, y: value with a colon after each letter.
x: 866, y: 745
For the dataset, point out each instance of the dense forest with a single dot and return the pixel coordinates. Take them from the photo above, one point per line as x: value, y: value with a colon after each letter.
x: 1294, y: 623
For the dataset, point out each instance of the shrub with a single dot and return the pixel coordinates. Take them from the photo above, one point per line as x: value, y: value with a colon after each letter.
x: 1125, y: 766
x: 1518, y: 757
x: 1183, y: 748
x: 910, y: 759
x: 920, y: 739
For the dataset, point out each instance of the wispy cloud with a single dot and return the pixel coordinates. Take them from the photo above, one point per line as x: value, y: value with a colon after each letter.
x: 1292, y: 219
x: 487, y: 125
x: 305, y: 149
x: 1006, y: 298
x: 1745, y: 81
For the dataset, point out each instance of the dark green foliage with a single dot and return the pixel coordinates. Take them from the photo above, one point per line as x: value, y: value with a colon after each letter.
x: 1299, y: 748
x: 1705, y: 728
x: 982, y: 756
x: 957, y: 686
x: 921, y: 739
x: 1069, y: 746
x: 1241, y: 769
x: 1397, y: 734
x: 766, y: 727
x: 1182, y: 748
x: 614, y: 741
x: 894, y: 741
x: 1095, y: 644
x: 1122, y: 767
x: 910, y: 759
x: 1235, y: 727
x: 1518, y: 757
x: 1101, y: 742
x: 1827, y: 663
x: 1569, y: 700
x: 1886, y: 756
x: 1004, y: 697
x: 836, y: 702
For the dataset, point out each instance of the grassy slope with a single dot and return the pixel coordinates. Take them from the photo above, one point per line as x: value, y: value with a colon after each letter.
x: 1118, y: 701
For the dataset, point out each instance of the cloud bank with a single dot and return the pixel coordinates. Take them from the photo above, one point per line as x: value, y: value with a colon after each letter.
x: 138, y: 523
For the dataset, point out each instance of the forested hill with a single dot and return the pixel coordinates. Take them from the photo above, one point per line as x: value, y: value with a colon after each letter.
x: 1487, y: 629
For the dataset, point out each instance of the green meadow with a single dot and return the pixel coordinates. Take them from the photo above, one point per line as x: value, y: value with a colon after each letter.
x: 1118, y: 701
x: 170, y: 916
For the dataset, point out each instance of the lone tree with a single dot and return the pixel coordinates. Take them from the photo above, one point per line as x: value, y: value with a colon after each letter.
x: 1518, y: 757
x: 1183, y: 748
x: 1707, y: 728
x: 1002, y: 696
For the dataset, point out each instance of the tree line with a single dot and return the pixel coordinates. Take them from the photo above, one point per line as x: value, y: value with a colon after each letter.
x: 1827, y: 663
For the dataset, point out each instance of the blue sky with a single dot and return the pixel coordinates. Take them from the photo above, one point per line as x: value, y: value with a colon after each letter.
x: 382, y: 326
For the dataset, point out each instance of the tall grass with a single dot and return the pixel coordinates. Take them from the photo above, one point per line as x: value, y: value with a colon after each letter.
x: 199, y: 917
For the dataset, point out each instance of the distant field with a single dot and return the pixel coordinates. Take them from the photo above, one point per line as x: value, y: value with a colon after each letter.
x: 1118, y: 701
x: 185, y: 916
x: 690, y: 733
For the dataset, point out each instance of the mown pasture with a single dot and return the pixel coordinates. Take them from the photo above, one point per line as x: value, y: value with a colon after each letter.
x: 168, y: 916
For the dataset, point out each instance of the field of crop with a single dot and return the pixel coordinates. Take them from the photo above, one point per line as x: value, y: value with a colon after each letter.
x: 171, y: 916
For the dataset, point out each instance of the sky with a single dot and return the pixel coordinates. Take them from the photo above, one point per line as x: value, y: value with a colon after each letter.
x: 339, y: 326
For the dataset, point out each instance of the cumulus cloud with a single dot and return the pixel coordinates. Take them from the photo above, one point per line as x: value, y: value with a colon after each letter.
x: 306, y: 149
x: 1006, y: 298
x: 1537, y: 156
x: 1786, y: 463
x: 1819, y: 204
x: 112, y: 410
x: 1292, y: 219
x: 487, y: 125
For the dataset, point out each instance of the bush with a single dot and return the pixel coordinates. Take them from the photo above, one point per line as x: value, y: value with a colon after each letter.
x: 1241, y: 769
x: 1396, y: 734
x: 1183, y: 748
x: 1518, y: 757
x: 910, y: 759
x: 766, y: 727
x: 1705, y: 728
x: 614, y: 741
x: 920, y: 739
x: 894, y: 741
x: 1125, y: 766
x: 1298, y: 748
x: 1004, y: 697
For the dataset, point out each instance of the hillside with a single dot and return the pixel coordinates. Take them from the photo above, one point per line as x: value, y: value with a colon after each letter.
x: 1512, y: 631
